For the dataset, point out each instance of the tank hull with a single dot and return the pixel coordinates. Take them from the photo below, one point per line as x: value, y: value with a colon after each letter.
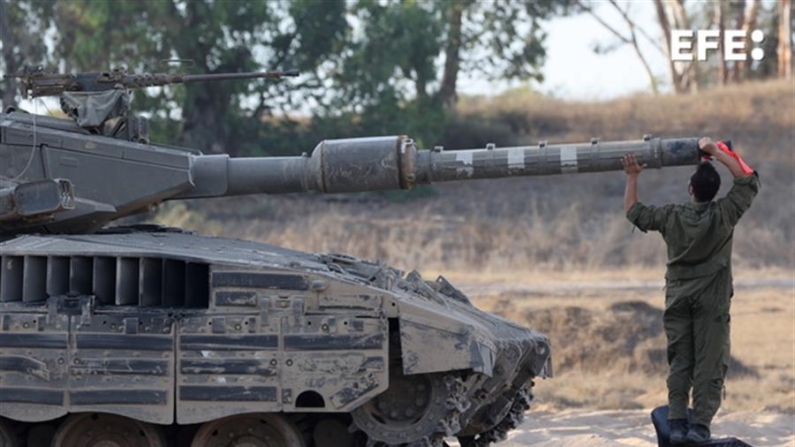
x: 175, y: 328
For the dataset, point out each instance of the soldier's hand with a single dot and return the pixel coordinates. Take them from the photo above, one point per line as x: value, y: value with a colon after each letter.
x: 707, y: 145
x: 631, y: 165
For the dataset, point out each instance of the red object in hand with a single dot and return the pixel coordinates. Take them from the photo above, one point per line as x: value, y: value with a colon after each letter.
x: 725, y: 148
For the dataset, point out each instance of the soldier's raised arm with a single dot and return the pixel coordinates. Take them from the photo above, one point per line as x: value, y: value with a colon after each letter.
x: 746, y: 180
x: 726, y: 156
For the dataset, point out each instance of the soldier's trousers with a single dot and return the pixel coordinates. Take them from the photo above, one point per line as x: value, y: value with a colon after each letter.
x: 696, y: 321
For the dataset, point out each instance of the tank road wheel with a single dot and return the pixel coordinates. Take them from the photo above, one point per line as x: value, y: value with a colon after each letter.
x: 249, y: 430
x: 417, y: 410
x: 106, y: 430
x: 9, y: 436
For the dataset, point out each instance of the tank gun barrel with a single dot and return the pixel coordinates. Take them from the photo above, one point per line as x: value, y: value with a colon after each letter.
x: 386, y: 163
x: 544, y: 159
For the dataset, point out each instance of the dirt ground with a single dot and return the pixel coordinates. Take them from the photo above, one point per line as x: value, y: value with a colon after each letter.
x: 609, y: 355
x: 618, y: 428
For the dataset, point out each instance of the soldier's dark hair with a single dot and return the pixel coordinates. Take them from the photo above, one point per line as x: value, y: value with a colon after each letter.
x: 705, y: 182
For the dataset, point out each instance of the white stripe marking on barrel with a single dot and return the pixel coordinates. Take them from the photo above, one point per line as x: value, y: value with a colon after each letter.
x: 464, y: 157
x: 516, y: 158
x: 467, y: 170
x: 568, y: 159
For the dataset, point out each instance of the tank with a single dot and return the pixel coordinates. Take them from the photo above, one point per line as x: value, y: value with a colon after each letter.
x: 146, y: 336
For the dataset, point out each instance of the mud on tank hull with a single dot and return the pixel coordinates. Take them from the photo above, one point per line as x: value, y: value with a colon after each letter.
x: 159, y: 328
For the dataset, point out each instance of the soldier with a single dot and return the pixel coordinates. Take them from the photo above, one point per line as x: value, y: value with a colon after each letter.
x: 698, y: 280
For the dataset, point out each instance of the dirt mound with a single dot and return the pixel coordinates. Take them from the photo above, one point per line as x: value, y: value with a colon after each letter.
x: 628, y: 336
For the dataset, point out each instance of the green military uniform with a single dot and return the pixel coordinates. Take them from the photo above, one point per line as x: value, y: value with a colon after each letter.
x: 698, y: 293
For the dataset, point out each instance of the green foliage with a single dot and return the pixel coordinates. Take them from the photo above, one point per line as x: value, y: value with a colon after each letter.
x: 215, y: 36
x: 20, y: 26
x: 368, y: 66
x: 507, y: 37
x: 397, y: 45
x: 392, y: 75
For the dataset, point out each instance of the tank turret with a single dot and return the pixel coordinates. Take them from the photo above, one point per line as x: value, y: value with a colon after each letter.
x: 154, y: 338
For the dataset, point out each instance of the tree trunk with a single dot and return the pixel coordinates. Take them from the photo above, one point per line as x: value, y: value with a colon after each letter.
x: 723, y: 73
x: 447, y: 91
x: 204, y: 127
x: 10, y: 89
x: 749, y: 18
x: 785, y: 39
x: 662, y: 19
x: 206, y: 104
x: 421, y: 86
x: 690, y: 72
x: 678, y: 76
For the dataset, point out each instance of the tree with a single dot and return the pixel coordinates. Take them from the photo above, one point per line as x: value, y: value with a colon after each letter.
x: 746, y: 21
x: 671, y: 14
x: 719, y: 18
x: 20, y: 24
x: 367, y: 65
x: 9, y: 59
x: 401, y: 42
x: 744, y: 14
x: 628, y: 38
x: 749, y: 16
x: 784, y: 50
x: 408, y: 56
x: 215, y: 36
x: 722, y: 15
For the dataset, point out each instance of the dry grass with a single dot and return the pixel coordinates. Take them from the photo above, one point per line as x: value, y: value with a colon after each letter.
x: 419, y: 236
x: 626, y: 274
x: 720, y: 111
x: 608, y: 346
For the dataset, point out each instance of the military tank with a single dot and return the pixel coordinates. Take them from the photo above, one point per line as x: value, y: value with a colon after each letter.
x: 145, y: 336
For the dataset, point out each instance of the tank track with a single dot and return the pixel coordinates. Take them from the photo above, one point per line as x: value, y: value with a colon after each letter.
x: 511, y: 421
x: 11, y: 433
x: 456, y: 404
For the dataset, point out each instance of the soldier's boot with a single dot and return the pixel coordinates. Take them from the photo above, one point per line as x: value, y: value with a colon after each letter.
x: 678, y: 429
x: 697, y: 433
